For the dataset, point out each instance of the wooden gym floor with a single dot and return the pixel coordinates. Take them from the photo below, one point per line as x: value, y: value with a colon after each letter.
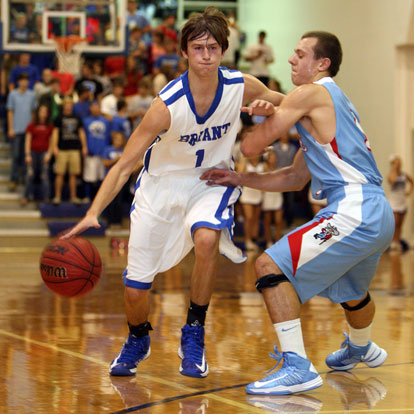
x: 55, y: 352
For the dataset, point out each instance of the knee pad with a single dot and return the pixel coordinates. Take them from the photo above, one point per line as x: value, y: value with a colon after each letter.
x: 270, y: 280
x: 362, y: 304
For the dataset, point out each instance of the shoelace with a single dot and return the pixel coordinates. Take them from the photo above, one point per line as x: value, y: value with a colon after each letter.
x: 195, y: 351
x: 277, y: 356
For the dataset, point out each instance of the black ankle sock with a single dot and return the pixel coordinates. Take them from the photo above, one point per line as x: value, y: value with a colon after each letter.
x: 196, y: 315
x: 140, y: 330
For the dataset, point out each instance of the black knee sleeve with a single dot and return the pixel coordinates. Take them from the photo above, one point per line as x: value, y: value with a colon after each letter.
x: 364, y: 302
x: 270, y: 280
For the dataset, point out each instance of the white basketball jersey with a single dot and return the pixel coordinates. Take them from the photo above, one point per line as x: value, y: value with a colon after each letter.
x: 194, y: 141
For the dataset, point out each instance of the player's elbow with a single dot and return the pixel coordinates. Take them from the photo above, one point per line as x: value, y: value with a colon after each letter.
x: 248, y: 149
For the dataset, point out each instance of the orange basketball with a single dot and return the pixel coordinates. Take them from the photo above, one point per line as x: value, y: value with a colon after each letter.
x: 71, y: 267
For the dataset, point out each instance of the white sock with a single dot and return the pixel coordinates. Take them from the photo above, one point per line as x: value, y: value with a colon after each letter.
x: 360, y: 337
x: 290, y: 337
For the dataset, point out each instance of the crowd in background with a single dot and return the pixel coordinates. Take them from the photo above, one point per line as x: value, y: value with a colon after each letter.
x: 66, y: 128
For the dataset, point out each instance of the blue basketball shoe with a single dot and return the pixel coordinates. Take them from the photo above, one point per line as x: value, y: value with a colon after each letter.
x: 134, y: 351
x: 349, y: 355
x: 296, y: 375
x: 192, y: 352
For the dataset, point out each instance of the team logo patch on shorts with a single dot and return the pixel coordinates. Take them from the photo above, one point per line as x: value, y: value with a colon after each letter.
x: 326, y: 233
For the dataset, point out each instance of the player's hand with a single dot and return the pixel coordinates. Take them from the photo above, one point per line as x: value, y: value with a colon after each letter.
x: 84, y: 224
x: 259, y: 107
x: 218, y: 176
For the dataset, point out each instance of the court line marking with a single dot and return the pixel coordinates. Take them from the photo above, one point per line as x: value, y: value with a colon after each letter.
x: 224, y: 400
x: 143, y: 376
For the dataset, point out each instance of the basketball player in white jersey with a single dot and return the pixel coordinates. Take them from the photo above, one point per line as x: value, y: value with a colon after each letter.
x: 335, y: 254
x: 190, y: 128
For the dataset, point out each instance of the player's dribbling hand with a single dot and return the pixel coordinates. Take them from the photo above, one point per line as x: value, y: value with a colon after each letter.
x: 84, y: 224
x: 259, y: 107
x: 221, y: 177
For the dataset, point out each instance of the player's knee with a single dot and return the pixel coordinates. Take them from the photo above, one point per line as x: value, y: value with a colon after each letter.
x: 206, y: 241
x: 352, y: 306
x: 269, y: 281
x: 265, y: 265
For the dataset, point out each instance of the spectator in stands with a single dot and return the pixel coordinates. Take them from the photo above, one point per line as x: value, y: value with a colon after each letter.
x: 81, y: 108
x: 108, y: 104
x: 68, y: 144
x: 120, y: 122
x: 168, y: 27
x: 260, y: 55
x: 24, y: 66
x: 98, y: 73
x: 161, y: 79
x: 21, y: 103
x: 182, y: 67
x: 157, y: 48
x: 232, y: 54
x: 35, y: 29
x: 37, y: 154
x: 139, y: 104
x: 170, y: 58
x: 136, y: 18
x: 43, y: 86
x: 19, y: 33
x: 138, y: 49
x: 132, y: 77
x: 111, y: 155
x: 114, y: 66
x: 87, y: 79
x: 53, y: 99
x: 97, y: 130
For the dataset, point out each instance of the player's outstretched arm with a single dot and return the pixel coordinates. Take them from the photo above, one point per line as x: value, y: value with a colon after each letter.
x: 290, y: 178
x: 157, y: 119
x: 255, y: 89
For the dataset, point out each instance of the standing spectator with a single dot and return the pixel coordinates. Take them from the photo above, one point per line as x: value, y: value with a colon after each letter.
x: 24, y: 66
x: 132, y: 77
x: 136, y: 18
x: 401, y: 187
x: 139, y: 104
x: 120, y: 122
x: 112, y: 153
x: 81, y: 108
x: 114, y: 66
x: 97, y: 130
x: 109, y: 102
x: 19, y: 33
x: 168, y: 28
x: 100, y: 76
x: 157, y: 48
x: 68, y: 144
x: 38, y: 134
x: 43, y: 86
x: 21, y: 103
x: 138, y: 49
x: 53, y: 99
x: 251, y: 200
x: 232, y: 55
x: 87, y: 79
x: 260, y: 55
x: 170, y: 58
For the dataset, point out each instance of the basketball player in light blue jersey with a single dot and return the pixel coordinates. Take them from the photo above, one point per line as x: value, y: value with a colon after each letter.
x: 336, y: 254
x: 190, y: 128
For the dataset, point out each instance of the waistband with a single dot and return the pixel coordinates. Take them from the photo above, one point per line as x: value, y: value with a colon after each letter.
x: 353, y: 189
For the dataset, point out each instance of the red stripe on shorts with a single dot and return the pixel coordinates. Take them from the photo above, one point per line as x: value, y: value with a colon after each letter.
x: 334, y: 146
x: 295, y: 242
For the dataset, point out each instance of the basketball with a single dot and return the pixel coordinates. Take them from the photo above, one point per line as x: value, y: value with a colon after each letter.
x: 71, y: 267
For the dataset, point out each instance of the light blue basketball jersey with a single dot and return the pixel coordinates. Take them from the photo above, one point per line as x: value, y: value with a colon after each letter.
x: 198, y: 142
x: 348, y: 158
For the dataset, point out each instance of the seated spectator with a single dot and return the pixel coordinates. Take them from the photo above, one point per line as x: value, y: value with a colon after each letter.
x: 81, y: 108
x: 108, y: 104
x: 97, y: 130
x: 68, y: 145
x: 170, y: 57
x: 19, y: 33
x: 38, y: 154
x: 120, y: 122
x: 139, y: 104
x: 24, y: 66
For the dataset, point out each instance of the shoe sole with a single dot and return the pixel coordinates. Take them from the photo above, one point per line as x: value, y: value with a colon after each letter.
x: 189, y: 374
x: 130, y: 372
x: 284, y: 390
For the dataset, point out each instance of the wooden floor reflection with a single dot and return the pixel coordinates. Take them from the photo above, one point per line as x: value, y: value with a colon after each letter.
x: 55, y: 352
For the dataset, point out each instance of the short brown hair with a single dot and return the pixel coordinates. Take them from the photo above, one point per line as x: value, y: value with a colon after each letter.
x: 211, y: 21
x: 327, y: 46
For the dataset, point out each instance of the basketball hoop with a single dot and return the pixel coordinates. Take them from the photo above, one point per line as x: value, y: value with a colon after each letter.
x: 69, y: 52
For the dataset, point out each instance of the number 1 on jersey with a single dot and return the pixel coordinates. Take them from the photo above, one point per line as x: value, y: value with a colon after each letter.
x: 200, y: 157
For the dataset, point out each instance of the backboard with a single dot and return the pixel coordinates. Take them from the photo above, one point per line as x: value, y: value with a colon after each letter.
x: 31, y: 25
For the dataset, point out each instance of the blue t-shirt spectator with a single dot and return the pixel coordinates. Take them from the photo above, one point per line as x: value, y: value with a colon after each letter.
x: 170, y: 60
x: 22, y: 105
x: 81, y: 109
x: 97, y: 130
x: 31, y: 70
x: 121, y: 124
x: 110, y: 153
